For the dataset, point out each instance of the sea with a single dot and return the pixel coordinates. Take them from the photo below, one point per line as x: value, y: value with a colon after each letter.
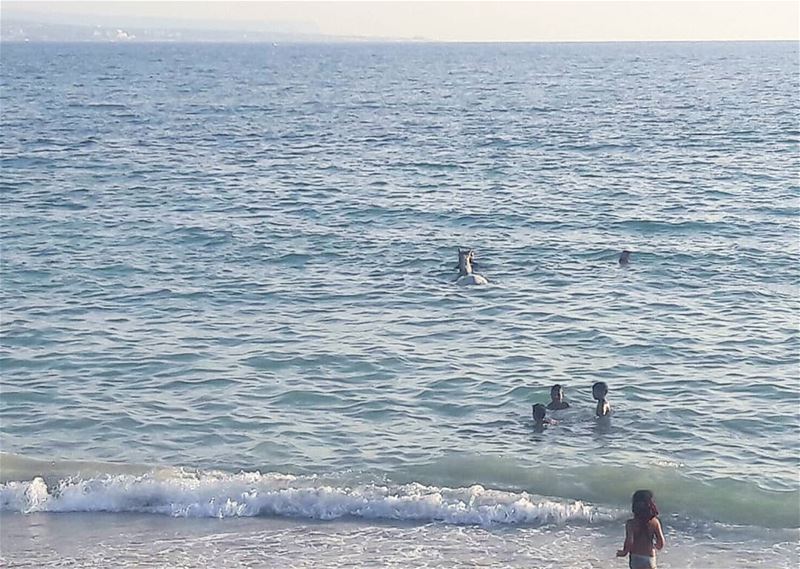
x: 231, y: 335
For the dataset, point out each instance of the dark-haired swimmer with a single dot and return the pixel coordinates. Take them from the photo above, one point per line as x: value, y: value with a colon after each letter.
x: 540, y: 419
x: 557, y: 398
x: 599, y: 392
x: 624, y: 258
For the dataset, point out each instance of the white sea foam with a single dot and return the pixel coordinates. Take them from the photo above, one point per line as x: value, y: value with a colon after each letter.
x: 221, y: 495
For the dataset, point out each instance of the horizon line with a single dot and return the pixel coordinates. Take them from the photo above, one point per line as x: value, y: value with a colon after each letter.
x: 360, y: 40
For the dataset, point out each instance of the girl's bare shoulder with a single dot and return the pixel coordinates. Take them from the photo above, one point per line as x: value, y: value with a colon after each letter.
x: 654, y: 525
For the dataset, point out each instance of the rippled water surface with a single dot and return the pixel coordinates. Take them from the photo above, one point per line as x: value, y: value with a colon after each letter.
x: 242, y: 258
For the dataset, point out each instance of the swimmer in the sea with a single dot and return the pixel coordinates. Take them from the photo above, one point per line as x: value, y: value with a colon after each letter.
x: 599, y: 392
x: 466, y: 259
x: 557, y: 398
x: 624, y: 258
x: 540, y: 419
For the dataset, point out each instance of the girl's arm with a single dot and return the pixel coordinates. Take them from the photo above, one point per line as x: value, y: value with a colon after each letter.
x: 626, y: 547
x: 659, y: 535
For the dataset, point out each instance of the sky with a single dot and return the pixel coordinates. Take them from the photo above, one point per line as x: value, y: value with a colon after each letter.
x: 600, y: 20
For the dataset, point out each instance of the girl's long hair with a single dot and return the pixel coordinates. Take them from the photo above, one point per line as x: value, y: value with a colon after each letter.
x: 643, y: 507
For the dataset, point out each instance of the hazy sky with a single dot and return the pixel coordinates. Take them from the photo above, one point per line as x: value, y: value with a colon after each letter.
x: 463, y: 21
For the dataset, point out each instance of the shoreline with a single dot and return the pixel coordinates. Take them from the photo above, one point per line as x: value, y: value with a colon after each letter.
x: 141, y: 540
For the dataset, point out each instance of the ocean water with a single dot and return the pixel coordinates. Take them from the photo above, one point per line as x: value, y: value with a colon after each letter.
x: 231, y: 336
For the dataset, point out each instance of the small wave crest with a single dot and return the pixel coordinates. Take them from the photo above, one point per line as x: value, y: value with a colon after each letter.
x: 222, y: 495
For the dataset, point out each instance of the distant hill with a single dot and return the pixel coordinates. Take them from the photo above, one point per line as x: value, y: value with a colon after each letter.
x: 13, y: 29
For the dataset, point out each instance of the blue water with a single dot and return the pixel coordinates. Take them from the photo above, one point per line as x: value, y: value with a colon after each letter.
x: 239, y: 259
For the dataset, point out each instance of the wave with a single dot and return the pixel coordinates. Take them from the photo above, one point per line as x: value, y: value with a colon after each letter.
x: 459, y: 490
x: 684, y: 226
x: 723, y: 500
x: 222, y: 495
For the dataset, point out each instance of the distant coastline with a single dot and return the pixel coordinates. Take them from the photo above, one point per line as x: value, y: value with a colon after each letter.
x: 32, y: 29
x: 22, y: 30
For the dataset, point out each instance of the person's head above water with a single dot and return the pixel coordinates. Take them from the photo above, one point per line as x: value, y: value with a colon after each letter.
x: 539, y: 412
x: 599, y: 390
x: 557, y: 398
x: 466, y: 257
x: 625, y: 257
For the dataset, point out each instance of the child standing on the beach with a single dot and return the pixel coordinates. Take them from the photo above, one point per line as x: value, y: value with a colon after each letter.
x: 643, y: 533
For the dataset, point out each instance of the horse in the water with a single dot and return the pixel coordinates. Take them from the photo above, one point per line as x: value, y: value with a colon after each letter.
x: 465, y: 274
